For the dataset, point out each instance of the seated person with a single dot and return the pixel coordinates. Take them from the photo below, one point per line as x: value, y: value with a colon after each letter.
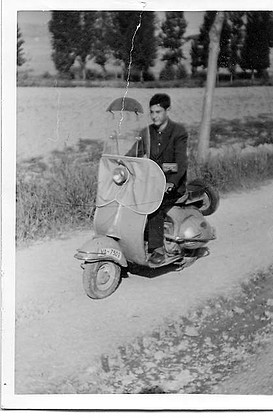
x: 168, y: 149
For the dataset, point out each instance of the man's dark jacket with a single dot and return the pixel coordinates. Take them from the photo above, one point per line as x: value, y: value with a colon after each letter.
x: 170, y: 146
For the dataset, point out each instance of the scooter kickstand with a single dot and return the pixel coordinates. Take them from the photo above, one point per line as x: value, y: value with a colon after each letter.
x: 186, y: 262
x: 180, y: 265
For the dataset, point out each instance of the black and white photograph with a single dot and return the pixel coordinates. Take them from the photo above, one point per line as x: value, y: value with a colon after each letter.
x: 137, y: 206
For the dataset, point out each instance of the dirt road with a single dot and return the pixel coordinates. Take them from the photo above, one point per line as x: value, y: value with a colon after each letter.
x: 256, y: 379
x: 61, y: 332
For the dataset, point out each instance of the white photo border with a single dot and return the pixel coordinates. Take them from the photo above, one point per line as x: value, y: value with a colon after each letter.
x: 10, y: 400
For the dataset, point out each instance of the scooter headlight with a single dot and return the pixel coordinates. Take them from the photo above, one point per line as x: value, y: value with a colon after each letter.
x: 120, y: 175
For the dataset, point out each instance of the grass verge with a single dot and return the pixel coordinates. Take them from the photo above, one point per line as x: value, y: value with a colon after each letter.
x: 233, y: 169
x: 59, y: 195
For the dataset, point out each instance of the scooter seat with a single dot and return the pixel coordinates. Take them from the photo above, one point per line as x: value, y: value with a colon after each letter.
x: 195, y: 190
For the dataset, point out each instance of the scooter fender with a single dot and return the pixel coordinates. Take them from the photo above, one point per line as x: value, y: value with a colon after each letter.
x: 101, y: 248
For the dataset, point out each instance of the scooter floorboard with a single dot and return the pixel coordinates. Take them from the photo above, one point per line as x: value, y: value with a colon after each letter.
x: 168, y: 260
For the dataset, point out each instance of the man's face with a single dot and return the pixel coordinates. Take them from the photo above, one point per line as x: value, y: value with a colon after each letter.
x: 159, y: 115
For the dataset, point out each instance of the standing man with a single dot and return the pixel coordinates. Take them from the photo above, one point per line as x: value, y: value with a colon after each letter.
x: 169, y: 151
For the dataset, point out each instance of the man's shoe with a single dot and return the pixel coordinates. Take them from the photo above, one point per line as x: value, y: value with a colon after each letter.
x: 158, y: 256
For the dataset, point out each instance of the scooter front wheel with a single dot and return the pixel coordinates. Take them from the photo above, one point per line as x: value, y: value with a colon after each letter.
x: 101, y: 279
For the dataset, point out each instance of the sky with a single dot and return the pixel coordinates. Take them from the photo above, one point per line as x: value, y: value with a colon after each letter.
x: 194, y: 19
x: 34, y: 28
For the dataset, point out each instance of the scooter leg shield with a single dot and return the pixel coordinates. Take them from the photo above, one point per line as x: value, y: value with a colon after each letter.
x: 101, y: 248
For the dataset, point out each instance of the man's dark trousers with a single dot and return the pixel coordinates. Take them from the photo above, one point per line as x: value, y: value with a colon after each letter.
x: 156, y: 222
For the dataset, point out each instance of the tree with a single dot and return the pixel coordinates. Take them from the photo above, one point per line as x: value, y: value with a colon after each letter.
x: 20, y: 55
x: 101, y: 41
x: 256, y: 46
x: 132, y: 39
x: 64, y: 27
x: 85, y: 37
x: 271, y: 29
x: 214, y: 36
x: 236, y: 37
x: 79, y: 36
x: 171, y: 37
x: 225, y: 47
x: 121, y: 34
x: 144, y: 51
x: 204, y: 39
x: 230, y: 42
x: 93, y: 38
x: 195, y: 56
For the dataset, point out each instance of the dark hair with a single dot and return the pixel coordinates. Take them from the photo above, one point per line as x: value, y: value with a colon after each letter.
x: 161, y: 99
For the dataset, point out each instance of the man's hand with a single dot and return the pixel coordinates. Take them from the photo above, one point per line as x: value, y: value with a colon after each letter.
x: 169, y: 187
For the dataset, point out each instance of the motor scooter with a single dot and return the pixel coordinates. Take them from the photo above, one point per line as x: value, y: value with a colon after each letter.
x: 130, y: 187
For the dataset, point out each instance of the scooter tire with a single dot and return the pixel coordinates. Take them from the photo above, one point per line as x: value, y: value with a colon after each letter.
x: 101, y: 279
x: 212, y: 197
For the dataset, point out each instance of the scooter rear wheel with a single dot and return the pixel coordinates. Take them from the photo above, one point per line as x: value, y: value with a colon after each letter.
x: 211, y: 197
x: 101, y: 279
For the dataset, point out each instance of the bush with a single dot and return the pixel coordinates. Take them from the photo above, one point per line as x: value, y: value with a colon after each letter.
x: 59, y: 197
x: 134, y: 75
x: 22, y: 75
x: 181, y: 72
x: 171, y: 72
x: 46, y: 75
x: 231, y: 170
x: 201, y: 75
x: 111, y: 75
x: 168, y: 73
x: 148, y: 76
x: 68, y: 76
x: 92, y: 74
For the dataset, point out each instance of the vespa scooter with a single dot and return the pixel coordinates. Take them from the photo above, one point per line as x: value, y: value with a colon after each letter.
x: 130, y: 187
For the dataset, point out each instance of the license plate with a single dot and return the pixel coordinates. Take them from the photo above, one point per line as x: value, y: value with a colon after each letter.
x: 112, y: 252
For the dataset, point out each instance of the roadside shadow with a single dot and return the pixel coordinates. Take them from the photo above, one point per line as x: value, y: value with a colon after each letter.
x: 152, y: 273
x: 151, y: 390
x: 247, y: 131
x: 149, y: 272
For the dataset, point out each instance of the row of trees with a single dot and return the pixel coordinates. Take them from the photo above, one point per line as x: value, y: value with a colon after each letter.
x: 81, y: 36
x: 245, y: 41
x: 77, y: 37
x: 20, y: 53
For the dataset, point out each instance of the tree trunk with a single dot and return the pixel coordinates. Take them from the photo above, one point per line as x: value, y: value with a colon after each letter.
x: 205, y: 127
x: 104, y: 72
x: 193, y: 71
x: 83, y: 72
x: 217, y: 77
x: 231, y: 78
